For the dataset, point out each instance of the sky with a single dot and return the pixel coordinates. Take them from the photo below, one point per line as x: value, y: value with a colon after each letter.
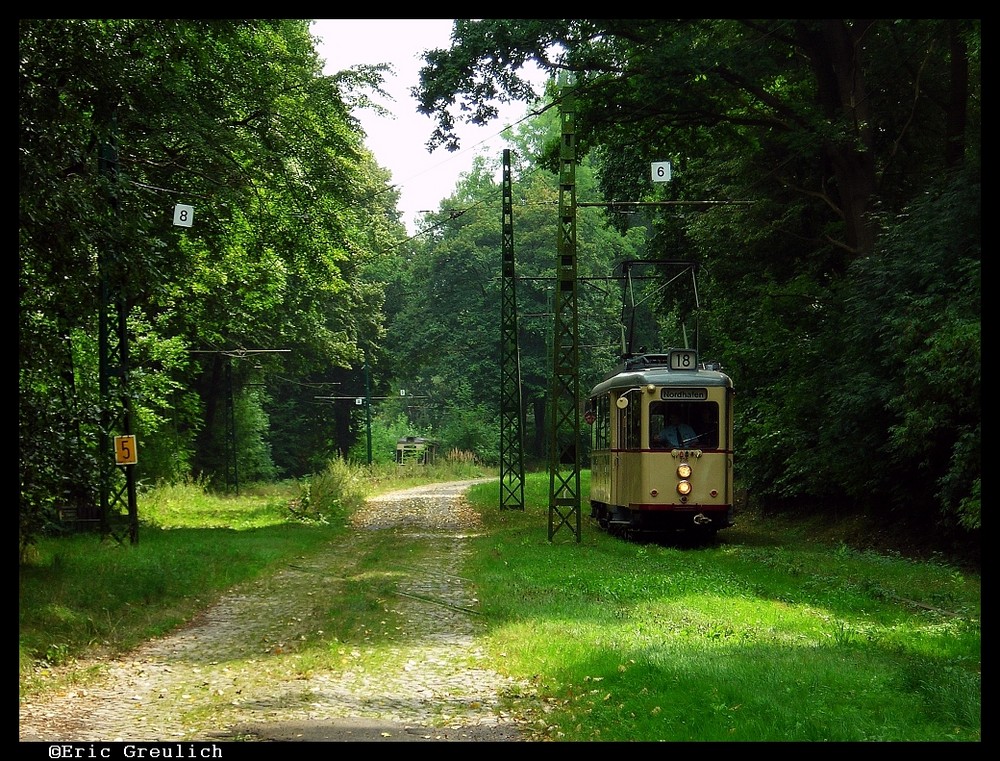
x: 400, y: 143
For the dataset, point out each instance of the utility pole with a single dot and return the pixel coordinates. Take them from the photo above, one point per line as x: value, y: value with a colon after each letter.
x: 564, y: 450
x: 511, y: 411
x: 368, y: 408
x: 113, y: 373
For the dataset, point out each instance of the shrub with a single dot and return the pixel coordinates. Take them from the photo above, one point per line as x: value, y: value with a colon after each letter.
x: 333, y: 494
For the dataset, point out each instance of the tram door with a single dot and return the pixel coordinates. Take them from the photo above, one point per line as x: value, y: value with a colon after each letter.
x: 627, y: 460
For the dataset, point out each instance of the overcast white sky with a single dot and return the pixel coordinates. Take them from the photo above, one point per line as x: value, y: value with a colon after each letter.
x: 399, y: 144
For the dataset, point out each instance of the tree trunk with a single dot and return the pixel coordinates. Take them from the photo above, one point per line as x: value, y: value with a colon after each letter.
x: 954, y: 154
x: 833, y: 47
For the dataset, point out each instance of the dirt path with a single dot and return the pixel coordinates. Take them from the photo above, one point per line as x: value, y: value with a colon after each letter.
x: 232, y: 675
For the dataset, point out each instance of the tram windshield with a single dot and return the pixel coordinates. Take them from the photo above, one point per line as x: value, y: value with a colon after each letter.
x: 684, y: 424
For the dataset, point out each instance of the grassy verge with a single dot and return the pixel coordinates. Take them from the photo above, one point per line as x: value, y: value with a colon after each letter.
x: 765, y: 635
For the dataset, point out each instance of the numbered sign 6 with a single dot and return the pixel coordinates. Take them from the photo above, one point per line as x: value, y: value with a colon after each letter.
x: 661, y: 171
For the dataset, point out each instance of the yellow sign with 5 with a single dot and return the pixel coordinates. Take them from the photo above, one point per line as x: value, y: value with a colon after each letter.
x: 125, y: 450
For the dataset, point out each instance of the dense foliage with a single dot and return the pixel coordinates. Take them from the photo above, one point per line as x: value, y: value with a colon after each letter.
x: 278, y: 276
x: 826, y: 181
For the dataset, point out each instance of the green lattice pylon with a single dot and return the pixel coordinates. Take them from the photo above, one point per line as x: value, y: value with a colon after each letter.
x: 564, y: 454
x: 511, y: 409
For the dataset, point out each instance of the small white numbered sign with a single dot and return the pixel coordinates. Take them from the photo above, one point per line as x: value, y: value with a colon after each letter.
x: 661, y: 171
x: 183, y: 215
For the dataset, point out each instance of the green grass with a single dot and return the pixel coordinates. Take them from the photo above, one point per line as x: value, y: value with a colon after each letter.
x: 765, y: 635
x: 80, y: 593
x: 748, y: 639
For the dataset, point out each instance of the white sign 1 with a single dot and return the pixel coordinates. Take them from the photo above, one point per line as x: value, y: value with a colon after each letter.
x: 661, y: 171
x: 183, y: 215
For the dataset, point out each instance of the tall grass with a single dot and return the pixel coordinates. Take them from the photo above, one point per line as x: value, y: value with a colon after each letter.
x: 454, y: 465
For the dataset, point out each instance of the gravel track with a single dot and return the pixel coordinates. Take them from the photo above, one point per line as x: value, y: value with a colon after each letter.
x: 231, y: 674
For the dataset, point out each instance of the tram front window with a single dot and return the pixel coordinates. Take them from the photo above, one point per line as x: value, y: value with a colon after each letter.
x: 684, y: 424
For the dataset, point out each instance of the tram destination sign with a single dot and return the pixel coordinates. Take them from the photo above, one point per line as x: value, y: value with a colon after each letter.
x: 684, y: 394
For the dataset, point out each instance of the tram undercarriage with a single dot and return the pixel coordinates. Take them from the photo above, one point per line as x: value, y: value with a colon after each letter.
x: 629, y: 523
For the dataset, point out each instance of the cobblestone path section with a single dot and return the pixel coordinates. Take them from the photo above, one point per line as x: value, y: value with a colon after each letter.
x: 216, y: 678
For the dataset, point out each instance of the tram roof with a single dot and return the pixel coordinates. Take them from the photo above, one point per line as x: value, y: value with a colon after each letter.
x: 653, y: 368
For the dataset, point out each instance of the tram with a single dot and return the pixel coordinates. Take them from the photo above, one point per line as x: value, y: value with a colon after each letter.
x: 662, y: 446
x: 415, y: 450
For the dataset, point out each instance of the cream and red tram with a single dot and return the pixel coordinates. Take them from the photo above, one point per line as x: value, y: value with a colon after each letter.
x: 643, y: 477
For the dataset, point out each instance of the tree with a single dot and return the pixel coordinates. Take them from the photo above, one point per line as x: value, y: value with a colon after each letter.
x: 838, y: 98
x: 794, y: 142
x: 445, y: 331
x: 120, y: 119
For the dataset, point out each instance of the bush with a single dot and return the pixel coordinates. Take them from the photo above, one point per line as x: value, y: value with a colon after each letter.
x: 333, y: 494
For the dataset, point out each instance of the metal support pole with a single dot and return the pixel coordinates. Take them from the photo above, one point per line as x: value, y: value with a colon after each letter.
x: 368, y: 409
x: 564, y: 452
x: 511, y: 411
x: 113, y: 367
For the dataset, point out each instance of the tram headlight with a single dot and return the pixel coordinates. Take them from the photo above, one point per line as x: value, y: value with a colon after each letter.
x: 684, y: 488
x: 684, y: 470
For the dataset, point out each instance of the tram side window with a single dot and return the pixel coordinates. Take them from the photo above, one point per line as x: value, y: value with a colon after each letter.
x: 598, y: 412
x: 631, y: 423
